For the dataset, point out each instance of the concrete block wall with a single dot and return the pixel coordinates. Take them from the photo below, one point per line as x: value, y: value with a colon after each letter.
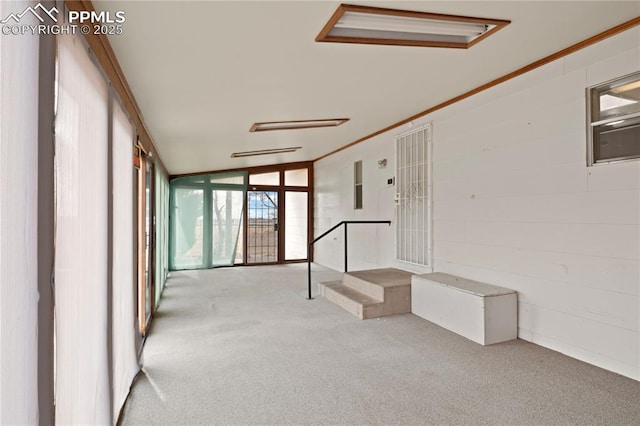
x: 515, y: 205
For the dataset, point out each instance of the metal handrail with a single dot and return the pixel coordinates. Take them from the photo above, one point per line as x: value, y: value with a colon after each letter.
x: 345, y: 223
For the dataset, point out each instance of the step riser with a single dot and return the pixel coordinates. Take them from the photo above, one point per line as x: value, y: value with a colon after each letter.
x: 365, y: 287
x: 374, y: 312
x: 397, y: 300
x: 387, y: 293
x: 344, y: 302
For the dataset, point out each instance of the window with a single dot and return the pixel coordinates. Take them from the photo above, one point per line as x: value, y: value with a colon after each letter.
x: 614, y: 120
x: 206, y: 219
x: 19, y: 245
x: 357, y: 189
x: 82, y: 385
x: 248, y: 216
x: 272, y: 178
x: 296, y: 235
x: 299, y: 177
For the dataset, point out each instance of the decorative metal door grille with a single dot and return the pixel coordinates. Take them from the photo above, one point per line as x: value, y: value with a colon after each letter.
x: 262, y: 227
x: 413, y: 233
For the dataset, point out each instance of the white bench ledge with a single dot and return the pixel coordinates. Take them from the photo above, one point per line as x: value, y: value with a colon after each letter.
x: 463, y: 284
x: 481, y: 312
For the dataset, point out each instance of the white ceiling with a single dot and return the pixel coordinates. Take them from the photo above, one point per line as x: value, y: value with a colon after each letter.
x: 203, y: 72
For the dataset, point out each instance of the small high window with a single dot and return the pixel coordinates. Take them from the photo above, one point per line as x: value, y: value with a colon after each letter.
x: 614, y: 120
x: 271, y: 178
x: 357, y: 187
x: 299, y: 177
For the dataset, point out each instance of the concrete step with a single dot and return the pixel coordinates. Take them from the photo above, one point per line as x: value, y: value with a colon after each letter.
x: 359, y: 304
x: 377, y: 282
x: 371, y: 294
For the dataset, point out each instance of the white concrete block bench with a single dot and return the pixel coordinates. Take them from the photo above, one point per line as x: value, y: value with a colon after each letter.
x: 480, y: 312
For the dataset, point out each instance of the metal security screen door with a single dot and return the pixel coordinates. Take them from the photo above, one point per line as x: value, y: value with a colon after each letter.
x: 413, y: 197
x: 262, y: 227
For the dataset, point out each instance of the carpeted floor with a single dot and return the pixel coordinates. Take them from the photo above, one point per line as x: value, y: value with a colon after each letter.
x: 243, y: 346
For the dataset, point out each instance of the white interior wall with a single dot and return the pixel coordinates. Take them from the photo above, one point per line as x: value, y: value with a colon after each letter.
x: 515, y: 205
x: 370, y: 246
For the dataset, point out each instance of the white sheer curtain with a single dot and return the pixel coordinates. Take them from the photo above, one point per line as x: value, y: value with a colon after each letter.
x: 82, y: 378
x: 18, y: 224
x: 125, y: 364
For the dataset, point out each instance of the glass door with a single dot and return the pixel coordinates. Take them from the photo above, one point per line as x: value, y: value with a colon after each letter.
x: 206, y: 220
x: 263, y: 229
x: 148, y: 241
x: 226, y: 224
x: 145, y: 242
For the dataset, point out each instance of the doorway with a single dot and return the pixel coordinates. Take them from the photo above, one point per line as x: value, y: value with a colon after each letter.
x: 263, y: 230
x: 206, y: 220
x: 413, y: 197
x: 279, y: 207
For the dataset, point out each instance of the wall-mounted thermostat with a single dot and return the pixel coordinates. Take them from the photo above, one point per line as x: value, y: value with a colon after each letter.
x: 391, y: 181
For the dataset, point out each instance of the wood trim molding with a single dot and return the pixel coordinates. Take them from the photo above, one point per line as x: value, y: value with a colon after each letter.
x: 547, y: 59
x: 254, y: 169
x: 324, y: 35
x: 106, y: 57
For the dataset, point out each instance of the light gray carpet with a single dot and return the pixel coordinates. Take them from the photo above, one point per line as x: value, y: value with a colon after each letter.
x: 243, y: 346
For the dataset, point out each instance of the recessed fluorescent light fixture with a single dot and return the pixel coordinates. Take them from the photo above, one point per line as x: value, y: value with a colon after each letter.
x: 374, y: 25
x: 265, y: 152
x: 298, y: 124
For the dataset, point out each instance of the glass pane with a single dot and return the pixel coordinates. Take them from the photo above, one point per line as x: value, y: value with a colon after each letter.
x: 206, y: 220
x: 617, y: 140
x: 234, y: 178
x: 358, y: 197
x: 226, y: 220
x: 161, y: 246
x: 616, y: 106
x: 618, y: 99
x: 295, y: 232
x: 357, y: 172
x: 272, y: 178
x: 82, y: 385
x: 296, y: 177
x: 147, y: 232
x: 262, y: 227
x: 187, y: 228
x: 240, y: 246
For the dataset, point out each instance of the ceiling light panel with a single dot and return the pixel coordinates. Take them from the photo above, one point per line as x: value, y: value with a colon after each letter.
x: 298, y: 124
x: 371, y: 25
x: 265, y: 152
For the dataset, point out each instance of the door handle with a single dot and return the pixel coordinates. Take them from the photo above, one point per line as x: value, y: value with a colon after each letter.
x: 275, y: 226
